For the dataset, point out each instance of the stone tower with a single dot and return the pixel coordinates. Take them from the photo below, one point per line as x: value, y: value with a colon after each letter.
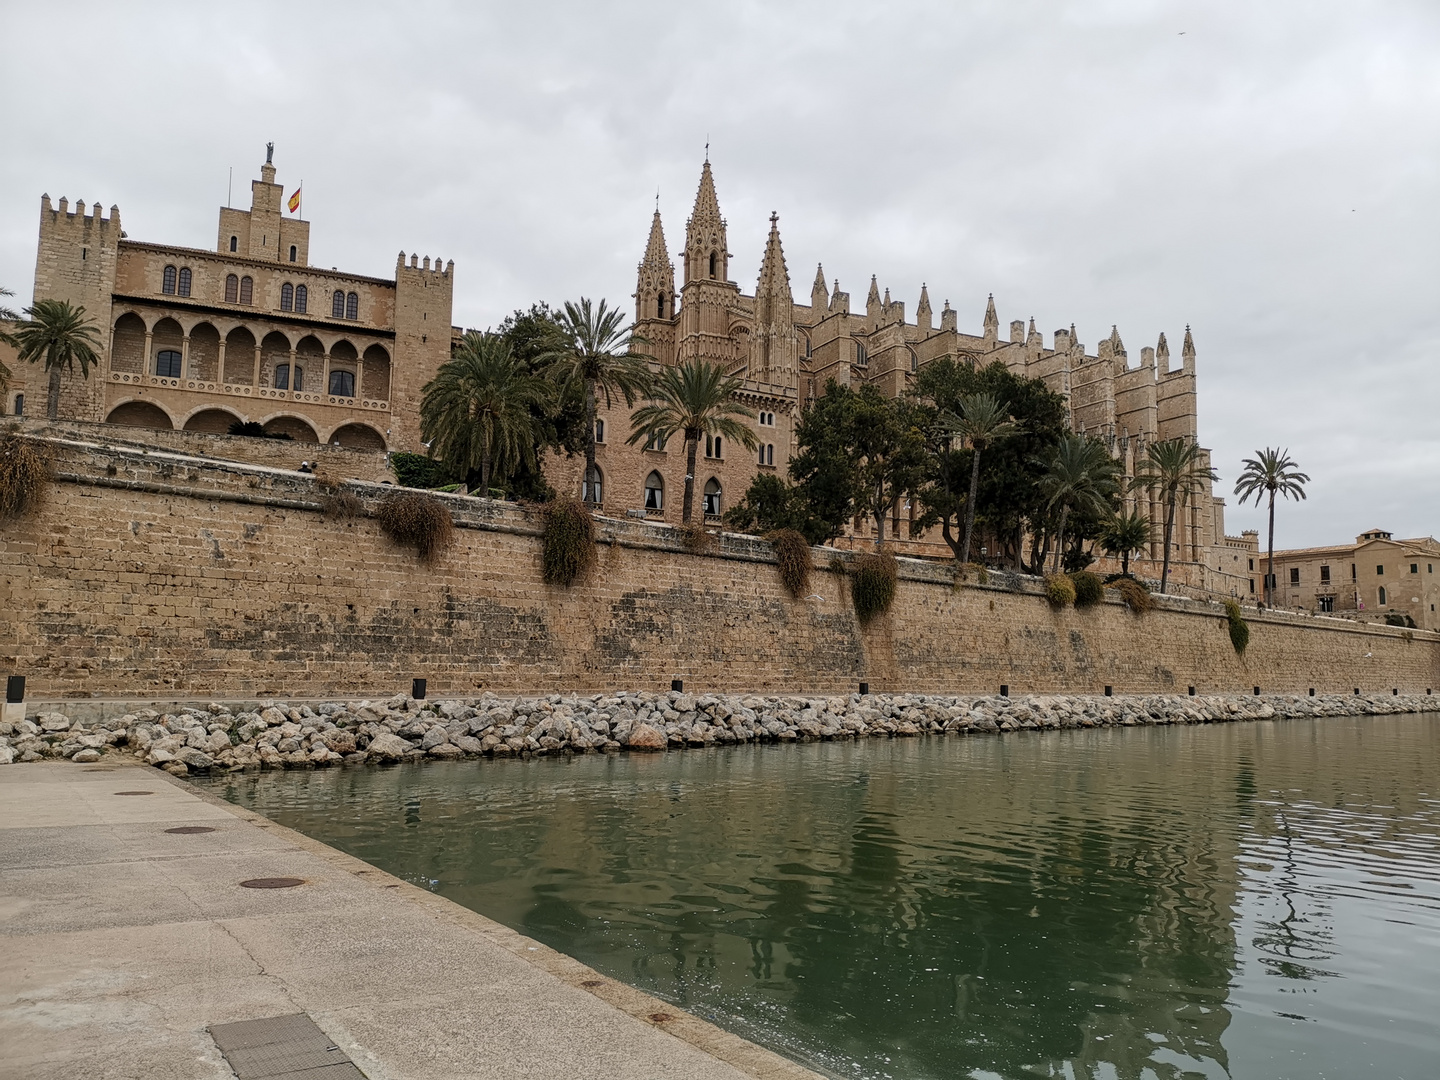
x: 263, y: 232
x: 708, y: 296
x: 774, y: 350
x: 655, y: 295
x: 420, y: 292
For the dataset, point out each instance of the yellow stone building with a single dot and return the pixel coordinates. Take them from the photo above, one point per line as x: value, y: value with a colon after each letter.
x: 1374, y: 577
x: 196, y: 340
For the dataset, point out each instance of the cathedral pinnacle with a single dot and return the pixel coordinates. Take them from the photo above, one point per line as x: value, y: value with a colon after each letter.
x: 774, y: 277
x: 992, y: 321
x: 706, y: 257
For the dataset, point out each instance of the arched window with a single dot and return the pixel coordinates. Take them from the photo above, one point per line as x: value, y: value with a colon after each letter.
x: 337, y: 305
x: 712, y: 446
x: 654, y: 492
x: 287, y: 297
x: 232, y: 289
x: 862, y: 357
x: 247, y: 289
x: 234, y: 243
x: 713, y: 260
x: 712, y: 498
x: 1382, y: 596
x: 184, y: 281
x: 302, y: 297
x: 599, y: 430
x: 592, y: 487
x: 914, y: 362
x: 660, y: 306
x: 767, y: 453
x: 292, y: 252
x: 282, y: 377
x: 167, y: 281
x: 655, y: 442
x: 19, y: 404
x: 342, y: 384
x: 167, y: 363
x: 352, y: 306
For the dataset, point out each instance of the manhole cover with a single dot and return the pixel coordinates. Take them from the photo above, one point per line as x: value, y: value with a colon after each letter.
x: 660, y: 1018
x: 190, y: 830
x: 134, y: 793
x: 272, y: 883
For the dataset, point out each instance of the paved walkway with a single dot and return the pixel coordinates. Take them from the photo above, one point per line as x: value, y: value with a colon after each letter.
x: 123, y: 943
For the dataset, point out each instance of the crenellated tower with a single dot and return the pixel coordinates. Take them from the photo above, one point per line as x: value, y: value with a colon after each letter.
x: 420, y: 292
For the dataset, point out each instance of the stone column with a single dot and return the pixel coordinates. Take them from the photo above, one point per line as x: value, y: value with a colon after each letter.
x: 325, y: 378
x: 291, y: 381
x: 256, y: 383
x: 359, y: 377
x: 220, y: 365
x: 147, y: 362
x: 184, y: 357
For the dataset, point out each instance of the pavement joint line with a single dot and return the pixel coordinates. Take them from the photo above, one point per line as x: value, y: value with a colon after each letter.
x: 747, y: 1057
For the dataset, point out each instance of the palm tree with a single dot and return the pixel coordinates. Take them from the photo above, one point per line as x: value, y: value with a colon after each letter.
x: 6, y: 315
x: 695, y: 398
x: 598, y: 353
x: 983, y: 420
x: 476, y: 413
x: 1125, y: 532
x: 1081, y: 476
x: 60, y: 334
x: 1273, y: 472
x: 1175, y: 469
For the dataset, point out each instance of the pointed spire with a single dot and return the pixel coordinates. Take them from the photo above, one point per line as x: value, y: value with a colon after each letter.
x: 1162, y: 354
x: 992, y: 321
x: 1187, y: 352
x: 706, y: 257
x: 656, y: 254
x: 873, y: 296
x: 774, y: 276
x: 655, y: 278
x: 774, y: 347
x: 707, y: 204
x: 1117, y: 347
x: 819, y: 294
x: 922, y: 309
x: 949, y: 317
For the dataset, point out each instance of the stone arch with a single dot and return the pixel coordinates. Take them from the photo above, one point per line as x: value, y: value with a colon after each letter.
x: 240, y: 357
x: 166, y: 337
x: 310, y: 360
x: 297, y: 427
x: 212, y: 420
x: 358, y: 436
x: 127, y: 346
x: 140, y: 414
x: 376, y: 376
x: 343, y: 361
x: 342, y: 350
x: 204, y: 353
x: 655, y: 491
x: 592, y: 486
x: 712, y: 500
x: 274, y: 351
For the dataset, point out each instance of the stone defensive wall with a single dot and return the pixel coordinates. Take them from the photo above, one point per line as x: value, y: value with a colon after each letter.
x: 156, y: 574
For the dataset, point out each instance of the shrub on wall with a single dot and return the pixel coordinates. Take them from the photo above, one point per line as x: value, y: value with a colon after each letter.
x: 1239, y: 628
x: 1089, y: 590
x: 695, y: 538
x: 568, y: 545
x: 966, y: 572
x: 792, y: 559
x: 24, y: 472
x: 872, y: 584
x: 418, y: 521
x: 1135, y: 595
x: 1059, y: 590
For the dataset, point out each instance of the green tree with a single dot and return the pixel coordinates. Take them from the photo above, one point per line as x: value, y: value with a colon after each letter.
x: 1273, y: 473
x: 535, y: 337
x: 476, y: 412
x: 695, y: 398
x: 982, y: 421
x: 1080, y: 477
x: 597, y: 355
x: 888, y: 438
x: 1123, y: 534
x: 771, y: 503
x: 57, y: 334
x: 1173, y: 470
x: 825, y: 470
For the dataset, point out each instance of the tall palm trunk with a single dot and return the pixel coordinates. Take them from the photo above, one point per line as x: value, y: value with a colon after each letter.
x: 1270, y: 563
x: 1060, y: 537
x: 692, y: 443
x: 970, y: 502
x: 52, y: 403
x: 1125, y: 564
x: 485, y: 463
x: 1169, y: 528
x: 587, y: 484
x: 879, y: 517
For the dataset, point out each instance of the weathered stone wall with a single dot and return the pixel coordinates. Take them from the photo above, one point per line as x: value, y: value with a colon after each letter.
x: 157, y: 574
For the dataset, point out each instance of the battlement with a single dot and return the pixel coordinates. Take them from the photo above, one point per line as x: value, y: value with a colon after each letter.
x: 55, y: 216
x: 416, y: 265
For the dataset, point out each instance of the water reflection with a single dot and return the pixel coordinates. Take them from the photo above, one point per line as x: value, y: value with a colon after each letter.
x: 1255, y: 900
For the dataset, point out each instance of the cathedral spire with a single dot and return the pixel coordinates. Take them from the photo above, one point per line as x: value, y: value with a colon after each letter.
x: 1162, y: 354
x: 705, y: 254
x: 992, y: 321
x: 922, y: 310
x: 774, y: 353
x: 873, y: 310
x: 655, y: 280
x: 1187, y: 351
x: 774, y: 276
x: 819, y: 294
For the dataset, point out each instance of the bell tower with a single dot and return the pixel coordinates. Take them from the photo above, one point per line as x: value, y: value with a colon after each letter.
x: 708, y: 293
x: 655, y: 297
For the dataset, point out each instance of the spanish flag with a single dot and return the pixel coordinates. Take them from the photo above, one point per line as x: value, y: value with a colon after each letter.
x: 295, y: 199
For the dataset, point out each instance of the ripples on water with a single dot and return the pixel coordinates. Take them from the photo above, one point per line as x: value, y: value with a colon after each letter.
x: 1249, y: 900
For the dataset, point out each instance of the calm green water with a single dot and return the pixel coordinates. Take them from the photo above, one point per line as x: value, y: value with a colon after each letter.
x: 1256, y: 900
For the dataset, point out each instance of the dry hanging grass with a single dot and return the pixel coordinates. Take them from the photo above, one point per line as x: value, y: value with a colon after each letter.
x: 418, y: 521
x: 568, y: 549
x: 24, y: 474
x: 341, y: 505
x: 695, y: 539
x: 1089, y: 590
x: 967, y: 572
x: 1059, y: 590
x: 1239, y: 628
x: 1136, y: 596
x: 872, y: 584
x: 792, y: 559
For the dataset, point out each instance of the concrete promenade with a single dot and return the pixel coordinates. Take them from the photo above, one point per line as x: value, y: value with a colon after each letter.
x: 123, y: 943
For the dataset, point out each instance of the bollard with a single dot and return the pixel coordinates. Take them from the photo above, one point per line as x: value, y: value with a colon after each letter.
x: 417, y: 689
x: 677, y: 685
x: 1312, y: 691
x: 1257, y: 691
x: 1109, y: 691
x: 864, y: 688
x: 1004, y: 689
x: 1357, y: 691
x: 1192, y: 691
x: 14, y: 709
x: 1394, y: 693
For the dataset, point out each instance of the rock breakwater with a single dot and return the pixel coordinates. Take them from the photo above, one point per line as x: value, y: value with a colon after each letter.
x: 276, y: 735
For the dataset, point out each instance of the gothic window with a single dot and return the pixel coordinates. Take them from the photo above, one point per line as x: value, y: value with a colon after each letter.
x: 282, y: 377
x: 713, y: 260
x: 654, y: 492
x: 167, y: 282
x: 342, y: 384
x: 234, y: 243
x: 167, y: 363
x: 287, y: 297
x: 712, y: 498
x: 352, y: 306
x: 19, y: 404
x: 712, y: 446
x: 337, y: 305
x: 1382, y: 596
x: 767, y: 419
x: 767, y: 454
x: 593, y: 486
x: 862, y: 357
x: 914, y: 362
x: 655, y: 442
x: 599, y: 430
x: 184, y: 288
x: 247, y: 289
x: 660, y: 306
x: 232, y: 288
x: 302, y: 296
x: 293, y: 253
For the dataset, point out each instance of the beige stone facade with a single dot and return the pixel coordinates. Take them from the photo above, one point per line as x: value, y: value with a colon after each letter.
x: 1374, y: 577
x: 195, y: 340
x: 786, y: 351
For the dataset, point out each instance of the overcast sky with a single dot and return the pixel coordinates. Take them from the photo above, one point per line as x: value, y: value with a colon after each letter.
x: 1266, y: 172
